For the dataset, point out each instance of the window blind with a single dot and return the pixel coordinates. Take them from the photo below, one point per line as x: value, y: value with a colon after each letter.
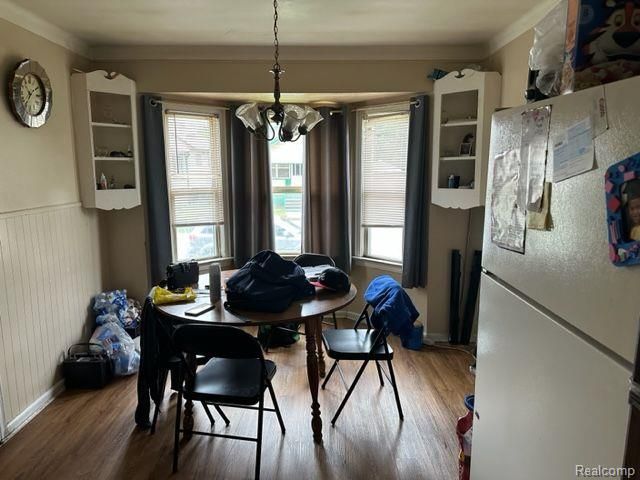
x: 384, y: 146
x: 194, y: 167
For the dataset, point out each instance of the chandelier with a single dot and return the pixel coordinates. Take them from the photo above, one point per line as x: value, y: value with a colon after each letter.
x: 292, y: 121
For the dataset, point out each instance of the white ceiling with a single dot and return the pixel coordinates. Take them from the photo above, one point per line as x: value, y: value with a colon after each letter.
x: 302, y: 22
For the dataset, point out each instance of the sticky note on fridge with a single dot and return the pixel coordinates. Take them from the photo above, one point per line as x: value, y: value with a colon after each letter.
x: 573, y: 151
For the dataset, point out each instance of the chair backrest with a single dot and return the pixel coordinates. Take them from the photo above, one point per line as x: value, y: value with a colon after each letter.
x: 216, y: 341
x: 314, y: 260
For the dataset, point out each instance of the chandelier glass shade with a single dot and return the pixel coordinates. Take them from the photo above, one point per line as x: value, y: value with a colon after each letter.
x: 286, y: 122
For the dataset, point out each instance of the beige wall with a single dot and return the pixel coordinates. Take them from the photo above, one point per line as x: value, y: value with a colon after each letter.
x: 38, y: 166
x: 50, y: 252
x: 176, y: 76
x: 512, y: 61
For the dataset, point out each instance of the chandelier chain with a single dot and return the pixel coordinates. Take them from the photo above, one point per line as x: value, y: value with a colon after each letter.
x: 276, y: 44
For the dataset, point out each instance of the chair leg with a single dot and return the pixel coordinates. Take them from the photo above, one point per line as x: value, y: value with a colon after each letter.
x: 335, y: 320
x: 156, y: 411
x: 176, y: 439
x: 266, y: 349
x: 221, y: 413
x: 333, y: 367
x: 259, y: 443
x: 380, y: 373
x: 395, y: 389
x: 276, y: 406
x: 346, y: 397
x: 208, y: 412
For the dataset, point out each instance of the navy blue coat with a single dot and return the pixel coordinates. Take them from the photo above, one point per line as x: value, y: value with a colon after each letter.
x: 392, y: 307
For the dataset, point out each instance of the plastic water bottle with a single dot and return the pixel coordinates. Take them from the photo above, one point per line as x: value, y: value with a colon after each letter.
x: 214, y: 282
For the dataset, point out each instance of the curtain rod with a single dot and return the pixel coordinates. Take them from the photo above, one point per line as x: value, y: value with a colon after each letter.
x: 195, y: 114
x: 387, y: 105
x: 153, y: 102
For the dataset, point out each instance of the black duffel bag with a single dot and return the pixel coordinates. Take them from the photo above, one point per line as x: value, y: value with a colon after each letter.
x: 267, y: 283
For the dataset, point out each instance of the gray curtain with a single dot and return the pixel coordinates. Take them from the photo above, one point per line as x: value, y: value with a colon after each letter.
x: 159, y: 223
x: 326, y: 202
x: 251, y: 218
x: 416, y: 220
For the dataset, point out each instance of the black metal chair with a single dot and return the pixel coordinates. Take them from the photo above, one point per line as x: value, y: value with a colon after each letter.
x: 315, y: 260
x: 360, y: 344
x: 236, y: 376
x: 171, y: 364
x: 305, y: 260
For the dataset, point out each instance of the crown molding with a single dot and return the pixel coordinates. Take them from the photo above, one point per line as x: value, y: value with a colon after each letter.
x: 520, y: 26
x: 23, y: 18
x: 290, y: 53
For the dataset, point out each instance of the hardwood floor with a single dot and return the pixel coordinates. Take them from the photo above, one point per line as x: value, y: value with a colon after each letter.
x: 91, y: 434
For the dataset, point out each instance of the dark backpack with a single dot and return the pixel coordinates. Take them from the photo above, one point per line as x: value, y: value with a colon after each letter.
x: 267, y: 283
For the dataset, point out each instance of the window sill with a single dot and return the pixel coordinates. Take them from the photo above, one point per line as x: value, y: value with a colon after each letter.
x: 225, y: 263
x: 379, y: 264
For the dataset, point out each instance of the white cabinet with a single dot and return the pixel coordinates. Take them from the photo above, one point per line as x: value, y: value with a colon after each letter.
x: 105, y: 124
x: 463, y: 104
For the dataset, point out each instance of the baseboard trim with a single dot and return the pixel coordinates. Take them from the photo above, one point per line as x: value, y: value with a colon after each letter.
x: 435, y: 338
x: 428, y: 338
x: 32, y: 410
x: 348, y: 315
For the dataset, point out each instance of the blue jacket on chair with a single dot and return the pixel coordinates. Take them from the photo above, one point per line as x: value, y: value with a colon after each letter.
x: 391, y: 306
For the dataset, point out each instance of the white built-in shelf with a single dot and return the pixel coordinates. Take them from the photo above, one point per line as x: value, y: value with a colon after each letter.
x: 114, y: 159
x: 105, y: 120
x: 452, y: 159
x: 460, y: 123
x: 110, y: 125
x: 467, y: 99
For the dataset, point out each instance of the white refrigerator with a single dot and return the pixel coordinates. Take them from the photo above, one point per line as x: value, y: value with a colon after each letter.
x: 558, y: 325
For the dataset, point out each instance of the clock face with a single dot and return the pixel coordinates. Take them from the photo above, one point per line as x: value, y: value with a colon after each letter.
x: 30, y: 94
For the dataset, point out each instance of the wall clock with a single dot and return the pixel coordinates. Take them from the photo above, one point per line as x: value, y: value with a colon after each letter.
x: 30, y: 94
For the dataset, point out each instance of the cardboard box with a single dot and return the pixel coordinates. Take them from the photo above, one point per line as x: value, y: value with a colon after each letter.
x: 602, y: 43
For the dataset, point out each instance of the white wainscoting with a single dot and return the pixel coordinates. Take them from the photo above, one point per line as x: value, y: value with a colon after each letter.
x: 50, y: 268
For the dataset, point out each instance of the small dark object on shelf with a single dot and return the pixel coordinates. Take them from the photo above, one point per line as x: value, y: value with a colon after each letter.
x: 128, y: 186
x: 437, y: 74
x: 532, y: 93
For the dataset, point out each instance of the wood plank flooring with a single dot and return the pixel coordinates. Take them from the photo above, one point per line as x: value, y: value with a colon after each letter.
x: 91, y: 434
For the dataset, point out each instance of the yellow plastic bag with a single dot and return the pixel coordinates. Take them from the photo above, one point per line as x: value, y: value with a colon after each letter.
x: 162, y: 296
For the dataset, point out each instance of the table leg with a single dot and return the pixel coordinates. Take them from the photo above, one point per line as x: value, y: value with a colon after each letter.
x: 321, y: 365
x: 187, y: 419
x: 314, y: 380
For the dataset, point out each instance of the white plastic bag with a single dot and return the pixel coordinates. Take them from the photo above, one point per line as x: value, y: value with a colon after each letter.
x: 547, y: 53
x: 119, y: 346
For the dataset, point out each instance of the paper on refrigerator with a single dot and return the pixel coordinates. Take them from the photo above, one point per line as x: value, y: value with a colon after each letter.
x: 533, y: 157
x: 573, y: 151
x: 508, y: 219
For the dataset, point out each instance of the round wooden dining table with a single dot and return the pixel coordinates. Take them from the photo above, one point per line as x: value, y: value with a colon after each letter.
x: 309, y: 311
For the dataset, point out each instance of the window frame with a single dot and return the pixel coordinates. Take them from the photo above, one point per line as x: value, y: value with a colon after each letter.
x: 291, y: 189
x: 222, y: 232
x: 361, y: 240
